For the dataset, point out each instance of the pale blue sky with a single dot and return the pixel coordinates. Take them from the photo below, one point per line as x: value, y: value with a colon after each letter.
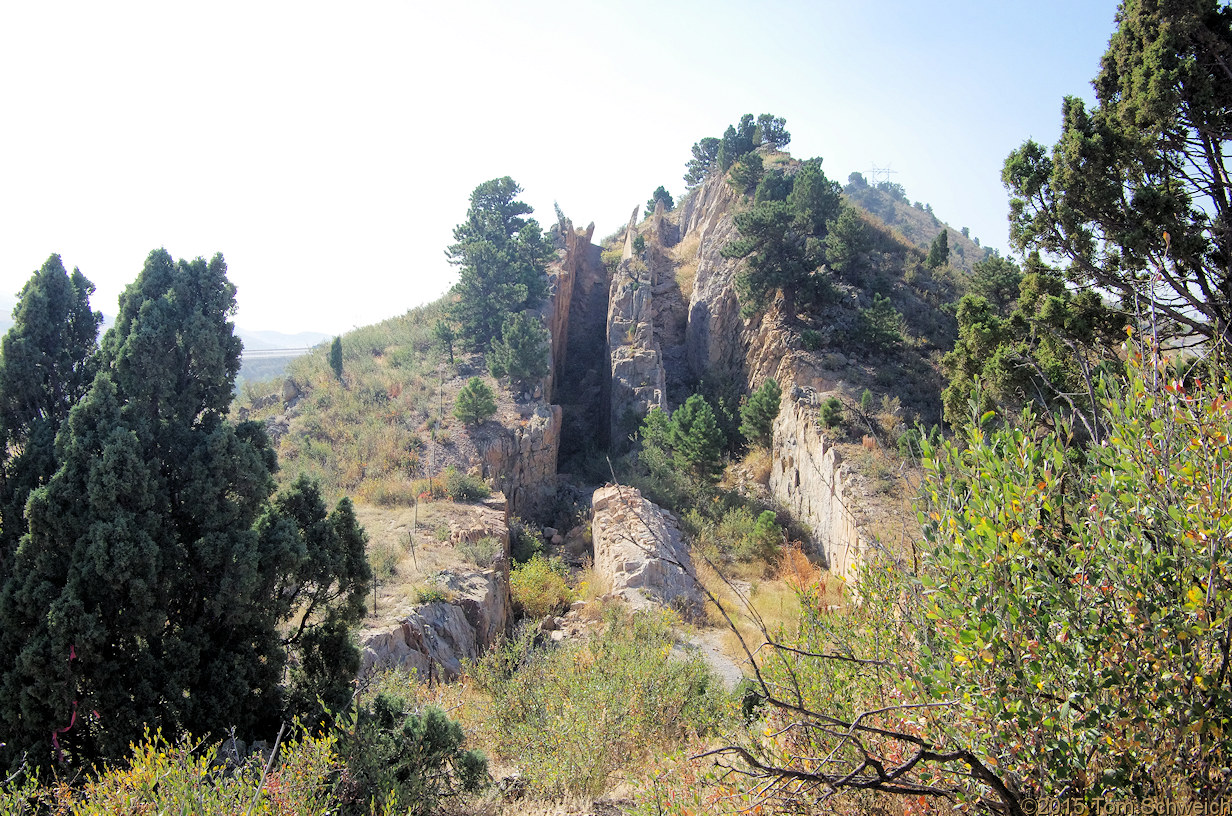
x: 328, y: 149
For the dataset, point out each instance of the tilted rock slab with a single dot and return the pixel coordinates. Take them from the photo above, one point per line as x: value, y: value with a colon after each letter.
x: 639, y: 547
x: 435, y: 638
x: 807, y: 477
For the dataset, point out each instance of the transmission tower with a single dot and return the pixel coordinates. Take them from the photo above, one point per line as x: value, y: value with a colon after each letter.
x: 876, y: 174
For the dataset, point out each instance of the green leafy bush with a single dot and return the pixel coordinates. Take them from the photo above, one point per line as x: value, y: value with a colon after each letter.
x: 524, y: 543
x: 463, y: 487
x: 539, y: 587
x: 1089, y: 591
x: 184, y: 777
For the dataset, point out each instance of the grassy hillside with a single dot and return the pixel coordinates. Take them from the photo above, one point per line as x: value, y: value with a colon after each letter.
x: 381, y: 427
x: 915, y: 223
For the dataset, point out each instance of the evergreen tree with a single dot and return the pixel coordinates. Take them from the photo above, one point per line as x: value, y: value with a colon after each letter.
x: 775, y: 185
x: 772, y: 131
x: 776, y: 257
x: 758, y: 413
x: 475, y: 403
x: 939, y: 250
x: 47, y: 364
x: 746, y: 173
x: 444, y: 336
x: 335, y: 357
x: 696, y: 441
x: 997, y: 279
x: 848, y: 243
x: 881, y: 324
x: 502, y: 257
x: 705, y: 154
x: 815, y: 200
x: 146, y: 593
x: 521, y: 351
x: 1134, y: 198
x: 660, y: 194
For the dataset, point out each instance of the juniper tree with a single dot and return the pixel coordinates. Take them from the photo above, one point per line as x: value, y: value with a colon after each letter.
x: 146, y: 593
x: 48, y: 362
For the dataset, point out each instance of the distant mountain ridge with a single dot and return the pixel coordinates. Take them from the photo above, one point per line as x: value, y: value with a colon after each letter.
x: 260, y: 340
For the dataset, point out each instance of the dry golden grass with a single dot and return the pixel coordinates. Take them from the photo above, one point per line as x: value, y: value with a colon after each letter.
x: 685, y: 256
x: 758, y: 462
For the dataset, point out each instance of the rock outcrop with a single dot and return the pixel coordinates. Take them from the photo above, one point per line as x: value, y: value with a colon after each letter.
x: 521, y: 462
x: 637, y: 377
x: 640, y: 549
x: 808, y: 479
x: 435, y: 638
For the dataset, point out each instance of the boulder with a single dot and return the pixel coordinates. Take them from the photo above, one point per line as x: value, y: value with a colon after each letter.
x: 435, y: 638
x: 640, y: 549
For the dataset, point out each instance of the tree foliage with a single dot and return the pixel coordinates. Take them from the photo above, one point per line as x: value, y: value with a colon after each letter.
x: 939, y: 250
x: 660, y: 194
x: 1046, y: 351
x: 49, y: 359
x: 155, y: 581
x: 501, y: 256
x: 400, y: 757
x: 738, y: 141
x: 1134, y: 197
x: 746, y: 173
x: 881, y: 325
x: 696, y: 441
x: 1079, y: 601
x: 476, y: 402
x: 335, y: 357
x: 521, y: 351
x: 444, y: 336
x: 757, y: 415
x: 848, y: 243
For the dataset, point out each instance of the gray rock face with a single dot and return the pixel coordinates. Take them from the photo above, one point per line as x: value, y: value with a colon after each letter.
x: 435, y: 638
x: 639, y: 548
x: 807, y: 477
x: 638, y: 380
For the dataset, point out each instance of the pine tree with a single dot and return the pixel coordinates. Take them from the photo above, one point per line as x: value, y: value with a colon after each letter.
x: 521, y: 351
x: 502, y: 258
x: 758, y: 414
x: 696, y: 440
x: 335, y: 357
x: 475, y: 403
x: 939, y: 250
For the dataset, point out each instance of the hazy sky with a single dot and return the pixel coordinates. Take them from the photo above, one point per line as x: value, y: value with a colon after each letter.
x: 328, y: 149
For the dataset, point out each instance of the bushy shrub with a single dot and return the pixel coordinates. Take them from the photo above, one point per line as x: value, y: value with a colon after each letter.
x: 463, y: 487
x: 832, y: 412
x: 524, y: 543
x: 810, y: 339
x: 482, y: 553
x: 184, y: 777
x: 403, y: 759
x: 539, y: 587
x: 736, y: 535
